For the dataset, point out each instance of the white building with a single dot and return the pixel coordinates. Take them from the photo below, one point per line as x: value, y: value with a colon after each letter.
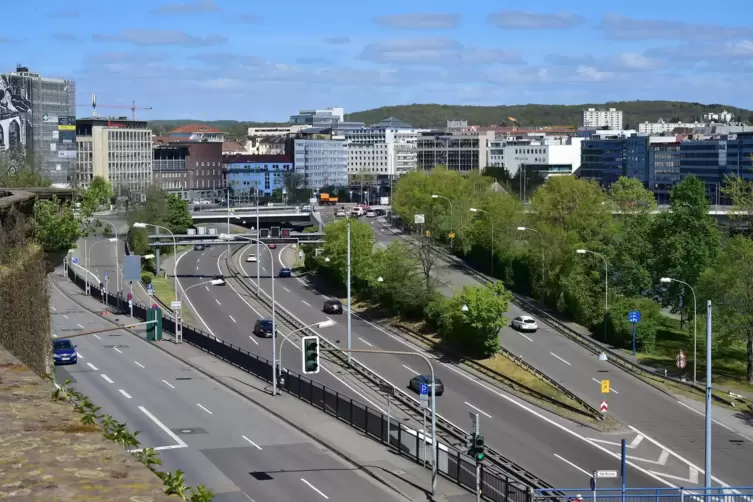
x: 274, y: 131
x: 198, y: 132
x: 662, y: 127
x: 611, y: 118
x: 543, y: 151
x: 385, y: 150
x: 119, y: 150
x: 725, y: 117
x: 322, y: 162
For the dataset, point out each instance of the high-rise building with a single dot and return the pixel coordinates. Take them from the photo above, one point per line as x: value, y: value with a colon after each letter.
x: 383, y: 151
x: 611, y: 118
x: 37, y: 115
x: 249, y: 175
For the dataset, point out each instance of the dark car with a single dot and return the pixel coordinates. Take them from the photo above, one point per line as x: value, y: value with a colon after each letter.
x: 285, y: 272
x: 219, y: 280
x: 263, y: 328
x: 198, y: 247
x: 64, y: 352
x: 418, y: 380
x: 333, y: 307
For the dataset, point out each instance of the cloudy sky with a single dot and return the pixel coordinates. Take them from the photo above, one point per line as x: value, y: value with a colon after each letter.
x: 253, y: 60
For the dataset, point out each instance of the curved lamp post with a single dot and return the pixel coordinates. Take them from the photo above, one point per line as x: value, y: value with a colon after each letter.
x: 667, y: 280
x: 606, y: 284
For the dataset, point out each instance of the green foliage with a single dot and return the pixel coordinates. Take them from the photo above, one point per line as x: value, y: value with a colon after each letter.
x: 99, y: 193
x: 18, y: 171
x: 54, y: 229
x: 146, y: 278
x: 178, y: 216
x: 159, y: 208
x: 620, y: 331
x: 138, y: 241
x: 336, y: 250
x: 401, y: 287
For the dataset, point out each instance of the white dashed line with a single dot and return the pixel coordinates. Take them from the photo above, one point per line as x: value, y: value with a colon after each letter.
x: 197, y: 267
x: 106, y: 378
x: 139, y: 364
x: 78, y: 354
x: 305, y: 302
x: 558, y: 357
x: 314, y: 488
x: 53, y: 308
x: 286, y: 289
x: 168, y: 384
x: 97, y: 337
x: 65, y: 316
x: 200, y: 406
x: 477, y: 409
x: 573, y: 465
x: 412, y: 371
x: 526, y: 337
x: 252, y: 443
x: 206, y: 287
x: 231, y: 318
x: 92, y: 366
x: 364, y: 341
x: 117, y: 350
x: 253, y: 339
x: 218, y: 302
x: 127, y: 396
x: 80, y: 326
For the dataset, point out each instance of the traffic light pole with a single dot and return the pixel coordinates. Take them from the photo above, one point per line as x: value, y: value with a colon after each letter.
x: 477, y: 433
x: 433, y: 400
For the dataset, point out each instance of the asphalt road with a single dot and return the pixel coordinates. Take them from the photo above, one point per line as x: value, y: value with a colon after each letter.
x: 649, y: 412
x: 217, y: 438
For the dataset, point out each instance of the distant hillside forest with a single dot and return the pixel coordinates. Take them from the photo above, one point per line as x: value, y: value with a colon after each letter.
x: 433, y: 115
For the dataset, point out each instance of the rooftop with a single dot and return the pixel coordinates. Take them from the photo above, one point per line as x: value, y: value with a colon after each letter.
x: 195, y: 128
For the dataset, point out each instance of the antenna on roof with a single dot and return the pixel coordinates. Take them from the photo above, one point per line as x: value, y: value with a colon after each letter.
x: 94, y: 105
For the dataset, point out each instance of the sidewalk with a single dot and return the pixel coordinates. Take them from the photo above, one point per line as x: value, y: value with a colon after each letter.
x: 408, y: 479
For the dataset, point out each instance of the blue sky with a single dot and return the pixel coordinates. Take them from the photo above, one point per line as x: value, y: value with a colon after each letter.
x: 244, y: 60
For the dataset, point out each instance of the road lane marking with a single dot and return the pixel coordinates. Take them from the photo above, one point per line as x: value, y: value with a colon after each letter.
x: 206, y: 287
x: 53, y: 308
x: 139, y: 364
x: 558, y: 357
x: 286, y: 289
x: 232, y: 318
x: 715, y: 421
x: 253, y: 339
x: 218, y: 302
x: 197, y: 267
x: 97, y: 337
x: 197, y: 261
x: 315, y: 489
x: 524, y: 336
x: 65, y: 316
x: 92, y: 366
x: 162, y: 426
x: 477, y: 409
x: 168, y: 384
x: 106, y: 378
x: 610, y: 388
x: 412, y: 371
x: 305, y: 302
x: 252, y: 443
x: 200, y: 406
x: 117, y: 350
x: 589, y: 474
x: 364, y: 341
x: 662, y: 460
x: 78, y: 354
x: 80, y: 326
x: 125, y: 394
x: 633, y: 444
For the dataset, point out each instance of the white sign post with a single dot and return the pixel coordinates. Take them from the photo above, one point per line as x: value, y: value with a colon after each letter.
x: 419, y: 219
x: 175, y: 307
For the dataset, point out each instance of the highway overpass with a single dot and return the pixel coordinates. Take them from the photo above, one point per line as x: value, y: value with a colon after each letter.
x: 248, y: 215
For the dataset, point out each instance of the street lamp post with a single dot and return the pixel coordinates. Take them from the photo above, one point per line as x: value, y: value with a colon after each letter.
x: 606, y: 285
x: 117, y: 251
x: 230, y: 237
x: 667, y: 280
x: 491, y: 221
x: 88, y: 257
x: 435, y: 196
x: 543, y: 266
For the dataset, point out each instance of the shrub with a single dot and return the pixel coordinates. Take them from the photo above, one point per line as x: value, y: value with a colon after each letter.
x: 146, y: 278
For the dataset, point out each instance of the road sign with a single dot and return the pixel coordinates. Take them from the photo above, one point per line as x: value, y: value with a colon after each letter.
x: 419, y: 219
x: 424, y: 389
x: 175, y: 305
x: 386, y: 389
x: 605, y: 386
x: 150, y: 289
x: 155, y: 306
x: 424, y: 395
x: 634, y: 316
x: 106, y: 276
x: 129, y: 296
x: 681, y: 360
x: 451, y: 235
x: 604, y: 407
x: 474, y: 420
x: 75, y: 260
x: 606, y: 474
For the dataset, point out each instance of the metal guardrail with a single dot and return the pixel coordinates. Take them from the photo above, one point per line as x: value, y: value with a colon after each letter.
x: 715, y: 494
x: 509, y: 467
x: 452, y: 463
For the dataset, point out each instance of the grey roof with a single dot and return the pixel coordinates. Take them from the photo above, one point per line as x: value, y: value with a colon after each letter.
x: 393, y: 123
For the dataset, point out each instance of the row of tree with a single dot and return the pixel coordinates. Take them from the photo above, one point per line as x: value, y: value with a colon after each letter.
x: 159, y: 208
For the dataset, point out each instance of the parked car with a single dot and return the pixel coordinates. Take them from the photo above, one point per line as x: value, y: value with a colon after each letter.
x: 371, y: 213
x: 251, y: 258
x: 263, y: 328
x: 64, y: 352
x: 285, y: 272
x: 524, y: 323
x: 332, y: 307
x: 418, y: 380
x: 340, y: 213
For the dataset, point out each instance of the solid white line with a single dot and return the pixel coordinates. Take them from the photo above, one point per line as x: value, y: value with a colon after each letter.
x: 253, y: 339
x: 305, y: 302
x: 124, y: 393
x: 106, y: 378
x: 168, y: 384
x: 589, y: 474
x: 412, y: 371
x: 138, y: 363
x: 189, y: 300
x: 206, y: 287
x: 477, y: 409
x: 218, y: 302
x: 200, y: 406
x: 315, y: 489
x: 163, y: 427
x: 715, y: 421
x: 117, y: 350
x: 558, y: 357
x: 364, y: 341
x: 286, y: 289
x: 97, y: 337
x: 80, y: 326
x: 231, y: 318
x: 92, y: 366
x: 65, y: 316
x: 524, y: 336
x: 160, y: 448
x: 252, y: 443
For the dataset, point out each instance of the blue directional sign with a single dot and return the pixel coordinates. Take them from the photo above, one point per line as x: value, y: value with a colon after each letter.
x: 75, y: 260
x: 106, y: 277
x: 634, y: 316
x: 150, y: 289
x: 424, y: 389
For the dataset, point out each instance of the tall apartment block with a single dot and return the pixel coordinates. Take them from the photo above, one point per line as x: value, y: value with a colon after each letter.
x: 37, y: 115
x: 611, y: 118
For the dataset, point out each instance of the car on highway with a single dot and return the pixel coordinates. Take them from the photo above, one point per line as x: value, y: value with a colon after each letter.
x: 64, y: 352
x: 418, y: 380
x: 219, y: 280
x: 524, y: 323
x: 285, y: 272
x: 263, y: 328
x: 251, y: 258
x: 333, y: 306
x: 340, y: 213
x: 371, y: 213
x: 306, y: 209
x: 198, y: 247
x: 272, y: 246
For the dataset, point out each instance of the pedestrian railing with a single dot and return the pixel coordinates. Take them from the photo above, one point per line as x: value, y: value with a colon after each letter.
x: 697, y: 494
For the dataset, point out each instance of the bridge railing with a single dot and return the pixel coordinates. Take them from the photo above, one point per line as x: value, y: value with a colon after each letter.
x: 692, y: 494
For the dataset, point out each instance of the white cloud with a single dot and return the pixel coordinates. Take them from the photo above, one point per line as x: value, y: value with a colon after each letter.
x: 161, y: 37
x: 620, y: 27
x: 524, y: 20
x: 197, y: 7
x: 419, y: 21
x: 433, y: 51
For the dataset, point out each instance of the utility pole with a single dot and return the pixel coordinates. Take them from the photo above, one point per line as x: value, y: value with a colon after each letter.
x: 349, y: 303
x: 476, y: 450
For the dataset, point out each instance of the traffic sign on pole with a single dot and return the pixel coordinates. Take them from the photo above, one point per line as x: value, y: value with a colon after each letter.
x: 424, y: 395
x: 634, y: 316
x: 604, y: 406
x: 681, y: 360
x: 606, y: 474
x: 129, y: 296
x: 605, y: 386
x: 75, y: 260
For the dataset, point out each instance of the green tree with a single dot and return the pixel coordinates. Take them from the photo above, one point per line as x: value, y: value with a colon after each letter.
x: 100, y: 192
x: 629, y: 194
x: 336, y: 249
x: 18, y: 171
x: 400, y: 289
x: 54, y: 229
x: 620, y: 331
x: 178, y: 216
x: 729, y: 285
x: 739, y: 191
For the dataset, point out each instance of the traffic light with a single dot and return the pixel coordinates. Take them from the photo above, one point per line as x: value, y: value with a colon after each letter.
x: 285, y: 233
x: 478, y: 448
x: 310, y: 352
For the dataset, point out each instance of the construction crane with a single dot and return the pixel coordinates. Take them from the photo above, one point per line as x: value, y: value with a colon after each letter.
x: 514, y: 122
x: 132, y: 107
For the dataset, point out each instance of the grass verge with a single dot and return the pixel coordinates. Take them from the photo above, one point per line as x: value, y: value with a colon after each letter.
x: 165, y: 292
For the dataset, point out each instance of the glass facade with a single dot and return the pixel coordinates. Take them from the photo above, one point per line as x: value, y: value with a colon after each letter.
x: 603, y: 160
x: 246, y: 177
x: 322, y: 162
x: 664, y: 169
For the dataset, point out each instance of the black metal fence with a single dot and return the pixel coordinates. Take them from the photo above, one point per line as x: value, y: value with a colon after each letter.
x: 451, y: 463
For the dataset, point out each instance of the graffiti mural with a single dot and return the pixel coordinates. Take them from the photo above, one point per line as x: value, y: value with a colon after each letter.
x: 15, y: 115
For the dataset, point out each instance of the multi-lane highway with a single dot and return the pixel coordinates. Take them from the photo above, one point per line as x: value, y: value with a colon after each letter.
x: 218, y: 439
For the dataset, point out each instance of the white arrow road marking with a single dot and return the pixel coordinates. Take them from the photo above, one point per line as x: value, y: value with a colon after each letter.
x: 661, y: 461
x: 692, y: 476
x: 633, y: 444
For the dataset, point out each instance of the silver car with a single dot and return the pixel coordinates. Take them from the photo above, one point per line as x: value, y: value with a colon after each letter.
x: 524, y: 323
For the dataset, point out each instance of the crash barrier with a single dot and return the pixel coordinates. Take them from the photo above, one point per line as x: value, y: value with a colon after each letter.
x: 451, y: 463
x: 716, y: 494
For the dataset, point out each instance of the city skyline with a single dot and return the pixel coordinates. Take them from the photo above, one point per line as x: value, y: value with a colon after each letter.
x: 224, y: 59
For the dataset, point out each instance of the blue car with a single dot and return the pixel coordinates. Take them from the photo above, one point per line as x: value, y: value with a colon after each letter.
x: 285, y: 272
x: 64, y: 352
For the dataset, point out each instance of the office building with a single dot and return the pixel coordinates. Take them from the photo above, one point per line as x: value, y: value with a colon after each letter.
x: 513, y: 152
x: 169, y: 170
x: 321, y: 156
x: 197, y: 132
x: 662, y: 127
x: 383, y: 151
x: 202, y: 168
x: 331, y: 117
x: 248, y: 173
x: 459, y: 152
x: 663, y: 169
x: 611, y: 118
x: 275, y: 131
x: 34, y: 111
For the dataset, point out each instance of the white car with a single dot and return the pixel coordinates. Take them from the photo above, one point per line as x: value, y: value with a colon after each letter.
x: 371, y: 213
x: 524, y: 323
x: 251, y: 258
x: 340, y: 213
